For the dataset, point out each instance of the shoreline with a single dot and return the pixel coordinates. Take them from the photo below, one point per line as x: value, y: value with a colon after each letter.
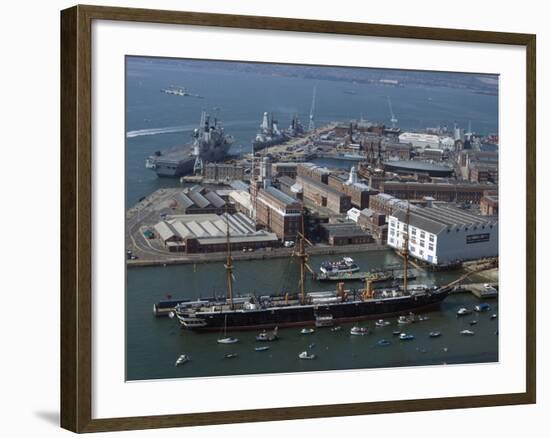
x: 256, y: 255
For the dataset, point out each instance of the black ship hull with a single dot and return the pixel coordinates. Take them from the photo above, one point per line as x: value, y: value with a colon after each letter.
x: 302, y: 315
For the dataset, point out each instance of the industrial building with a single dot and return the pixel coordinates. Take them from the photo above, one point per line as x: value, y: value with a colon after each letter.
x: 447, y: 192
x: 483, y: 173
x: 278, y: 212
x: 223, y: 172
x: 242, y: 202
x: 419, y: 140
x: 385, y: 203
x: 371, y: 220
x: 443, y: 234
x: 344, y: 234
x: 200, y: 233
x: 284, y: 169
x: 198, y: 200
x: 489, y: 204
x: 323, y: 195
x: 357, y: 191
x: 409, y: 167
x: 313, y: 172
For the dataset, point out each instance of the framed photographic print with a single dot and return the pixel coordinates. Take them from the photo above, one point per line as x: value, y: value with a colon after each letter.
x: 268, y: 219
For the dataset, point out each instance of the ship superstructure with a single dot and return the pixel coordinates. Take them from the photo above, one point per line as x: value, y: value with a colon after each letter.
x: 269, y: 133
x: 210, y: 144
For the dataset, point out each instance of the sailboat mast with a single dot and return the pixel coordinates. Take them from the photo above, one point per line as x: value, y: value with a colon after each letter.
x: 406, y: 249
x: 229, y: 267
x: 303, y: 257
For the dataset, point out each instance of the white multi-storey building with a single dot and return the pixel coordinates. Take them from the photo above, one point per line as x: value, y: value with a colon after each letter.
x: 443, y: 234
x: 420, y: 140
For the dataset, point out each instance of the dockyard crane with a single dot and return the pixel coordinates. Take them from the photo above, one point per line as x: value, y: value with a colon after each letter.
x: 311, y: 126
x: 393, y: 119
x: 198, y: 137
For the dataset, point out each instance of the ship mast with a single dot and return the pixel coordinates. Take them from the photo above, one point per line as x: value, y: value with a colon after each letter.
x: 303, y: 262
x: 405, y: 252
x: 229, y: 267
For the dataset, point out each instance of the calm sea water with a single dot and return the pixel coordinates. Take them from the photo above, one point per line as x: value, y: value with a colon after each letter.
x: 153, y: 344
x: 156, y: 121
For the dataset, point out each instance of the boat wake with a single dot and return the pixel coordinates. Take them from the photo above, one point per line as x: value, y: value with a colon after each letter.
x: 157, y: 131
x: 174, y: 129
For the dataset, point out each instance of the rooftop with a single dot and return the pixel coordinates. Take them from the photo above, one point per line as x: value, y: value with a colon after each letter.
x: 280, y: 196
x: 211, y: 228
x: 324, y: 186
x: 442, y: 216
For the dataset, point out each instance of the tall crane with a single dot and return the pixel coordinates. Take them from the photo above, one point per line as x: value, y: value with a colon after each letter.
x: 199, y: 135
x: 393, y: 119
x: 311, y: 126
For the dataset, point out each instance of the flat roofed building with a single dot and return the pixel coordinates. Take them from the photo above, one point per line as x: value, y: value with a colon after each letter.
x: 443, y: 234
x: 345, y: 234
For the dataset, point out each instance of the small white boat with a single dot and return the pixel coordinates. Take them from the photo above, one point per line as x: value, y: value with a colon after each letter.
x: 406, y: 337
x: 405, y: 319
x: 383, y: 342
x: 230, y: 355
x: 382, y: 323
x: 306, y: 356
x: 359, y: 331
x: 261, y: 348
x: 463, y: 311
x: 307, y: 331
x: 229, y: 340
x: 182, y: 359
x: 337, y: 328
x: 423, y: 318
x: 494, y: 316
x: 435, y: 334
x: 473, y: 322
x: 467, y: 332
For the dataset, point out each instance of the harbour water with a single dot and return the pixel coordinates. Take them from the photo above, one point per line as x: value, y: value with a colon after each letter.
x: 154, y: 343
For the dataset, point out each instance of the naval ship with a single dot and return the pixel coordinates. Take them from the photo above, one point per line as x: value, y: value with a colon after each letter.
x: 301, y: 308
x: 269, y: 134
x: 210, y: 143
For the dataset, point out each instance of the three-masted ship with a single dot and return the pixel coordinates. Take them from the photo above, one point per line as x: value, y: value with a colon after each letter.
x: 305, y: 308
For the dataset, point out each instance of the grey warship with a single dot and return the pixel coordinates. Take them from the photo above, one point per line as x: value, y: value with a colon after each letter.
x: 210, y: 144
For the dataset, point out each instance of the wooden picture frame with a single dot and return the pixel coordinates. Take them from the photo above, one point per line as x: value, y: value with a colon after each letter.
x: 76, y: 217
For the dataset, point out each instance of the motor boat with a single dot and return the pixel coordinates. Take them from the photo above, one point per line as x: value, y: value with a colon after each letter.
x: 359, y: 331
x: 306, y: 356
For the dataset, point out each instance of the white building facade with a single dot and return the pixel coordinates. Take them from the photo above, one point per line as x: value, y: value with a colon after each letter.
x: 441, y: 235
x: 419, y: 140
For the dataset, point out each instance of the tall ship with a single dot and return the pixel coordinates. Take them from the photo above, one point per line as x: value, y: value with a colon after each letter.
x: 210, y: 143
x: 269, y: 133
x: 307, y: 308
